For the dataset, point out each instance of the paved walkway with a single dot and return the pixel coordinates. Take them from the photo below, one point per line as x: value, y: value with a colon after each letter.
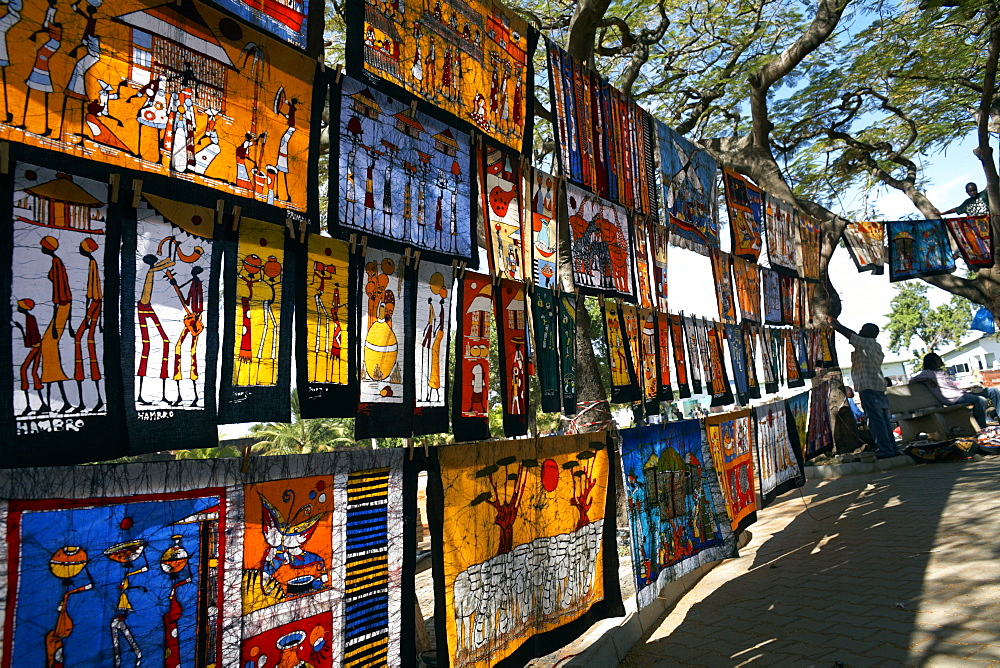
x: 893, y: 568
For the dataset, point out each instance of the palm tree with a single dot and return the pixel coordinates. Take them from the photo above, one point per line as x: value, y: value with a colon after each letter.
x: 301, y: 436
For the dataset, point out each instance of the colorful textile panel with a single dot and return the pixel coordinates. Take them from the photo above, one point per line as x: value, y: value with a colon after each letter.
x: 798, y: 416
x: 698, y: 365
x: 770, y: 282
x: 730, y: 442
x: 722, y: 394
x: 647, y: 362
x: 600, y: 245
x: 470, y: 403
x: 470, y: 58
x: 866, y: 242
x: 605, y: 138
x: 680, y: 357
x: 512, y: 339
x: 918, y: 248
x: 746, y: 276
x: 810, y: 248
x: 781, y: 223
x: 256, y: 364
x: 820, y: 434
x: 666, y: 392
x: 500, y: 179
x: 777, y: 460
x: 974, y: 238
x: 171, y: 88
x: 770, y: 355
x: 170, y: 323
x: 61, y: 250
x: 739, y: 362
x: 793, y: 373
x: 544, y: 229
x: 434, y: 296
x: 690, y: 192
x: 749, y: 344
x: 526, y: 541
x: 746, y: 214
x: 722, y: 264
x: 326, y: 330
x: 385, y: 336
x: 789, y: 299
x: 658, y: 235
x: 401, y: 175
x: 545, y: 328
x: 300, y: 23
x: 298, y: 561
x: 624, y: 385
x: 642, y: 229
x: 567, y: 351
x: 676, y: 510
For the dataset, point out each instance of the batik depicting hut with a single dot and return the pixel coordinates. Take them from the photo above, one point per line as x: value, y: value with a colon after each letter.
x: 61, y: 204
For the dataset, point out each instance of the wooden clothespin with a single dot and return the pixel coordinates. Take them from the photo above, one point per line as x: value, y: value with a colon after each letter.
x: 413, y: 107
x: 556, y: 289
x: 406, y: 257
x: 220, y: 211
x: 364, y: 245
x: 136, y: 192
x: 245, y: 463
x: 338, y: 73
x: 303, y: 226
x: 353, y: 241
x: 416, y: 260
x: 408, y: 444
x: 290, y: 226
x: 4, y: 156
x: 114, y: 183
x: 322, y: 65
x: 461, y: 269
x: 237, y: 212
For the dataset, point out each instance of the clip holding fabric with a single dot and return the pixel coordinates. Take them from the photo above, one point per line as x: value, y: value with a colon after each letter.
x: 339, y: 73
x: 353, y: 241
x: 303, y: 226
x: 114, y: 183
x: 136, y: 192
x: 5, y: 156
x: 364, y: 245
x: 237, y: 211
x: 416, y: 259
x: 322, y: 65
x: 406, y: 257
x: 290, y: 226
x: 245, y: 461
x: 461, y: 269
x: 220, y: 211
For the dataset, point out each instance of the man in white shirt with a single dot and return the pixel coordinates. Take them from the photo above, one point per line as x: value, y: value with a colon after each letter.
x: 947, y: 392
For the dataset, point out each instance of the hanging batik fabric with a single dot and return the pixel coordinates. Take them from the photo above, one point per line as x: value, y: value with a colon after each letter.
x: 810, y: 247
x: 749, y: 341
x: 169, y: 321
x: 401, y: 175
x: 544, y: 229
x: 665, y: 390
x: 697, y: 355
x: 677, y: 514
x: 643, y: 267
x: 512, y: 339
x: 256, y: 362
x: 828, y: 348
x: 433, y: 318
x: 167, y: 88
x: 799, y: 304
x: 624, y: 386
x: 326, y: 330
x: 63, y: 398
x: 780, y: 222
x: 722, y: 394
x: 745, y: 202
x: 792, y: 369
x: 600, y: 246
x: 789, y: 285
x: 680, y: 356
x: 472, y: 59
x: 470, y: 404
x: 974, y: 238
x: 296, y: 560
x: 739, y: 361
x: 631, y: 326
x: 865, y: 240
x: 605, y: 138
x: 778, y: 462
x: 801, y: 337
x: 798, y: 419
x: 820, y: 434
x: 503, y: 220
x: 545, y: 327
x: 690, y: 192
x: 730, y: 442
x: 721, y: 273
x: 769, y: 358
x: 526, y: 530
x: 647, y: 366
x: 385, y: 347
x: 770, y: 283
x: 567, y: 351
x: 746, y: 276
x: 918, y: 248
x: 658, y: 237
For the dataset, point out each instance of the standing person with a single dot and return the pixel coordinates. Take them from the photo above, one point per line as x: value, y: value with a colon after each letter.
x: 866, y: 372
x: 976, y: 204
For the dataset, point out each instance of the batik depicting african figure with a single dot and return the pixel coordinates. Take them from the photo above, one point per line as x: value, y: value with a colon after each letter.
x: 698, y: 366
x: 746, y: 276
x: 740, y: 361
x: 771, y: 289
x: 59, y: 231
x: 866, y: 242
x: 770, y: 358
x: 544, y: 229
x: 567, y: 351
x: 475, y: 317
x: 512, y: 338
x: 620, y: 359
x: 722, y: 395
x: 746, y: 214
x: 781, y: 222
x: 643, y: 267
x: 470, y: 59
x: 524, y: 535
x: 918, y: 248
x: 798, y: 416
x: 665, y: 388
x: 810, y: 247
x: 725, y: 297
x: 675, y: 506
x: 730, y: 442
x: 605, y: 137
x: 434, y: 295
x: 658, y: 237
x: 820, y: 434
x: 789, y: 291
x: 601, y: 250
x: 545, y: 327
x: 690, y: 195
x: 500, y: 176
x: 792, y: 372
x: 680, y: 355
x: 404, y: 175
x: 750, y: 345
x: 777, y: 461
x: 647, y: 367
x: 174, y: 251
x: 630, y: 323
x: 382, y: 329
x: 974, y: 238
x: 260, y: 267
x: 326, y: 306
x: 174, y: 88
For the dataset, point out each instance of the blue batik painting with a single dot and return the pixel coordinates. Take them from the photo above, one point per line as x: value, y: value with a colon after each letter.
x: 688, y: 175
x: 918, y: 248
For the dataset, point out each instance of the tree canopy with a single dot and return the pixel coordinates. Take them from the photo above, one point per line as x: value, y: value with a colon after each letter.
x: 913, y: 318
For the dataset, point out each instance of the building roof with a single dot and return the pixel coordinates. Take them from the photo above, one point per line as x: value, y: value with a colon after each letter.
x: 179, y: 23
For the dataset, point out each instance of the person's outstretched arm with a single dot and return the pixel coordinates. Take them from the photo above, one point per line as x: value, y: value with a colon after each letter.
x: 840, y: 328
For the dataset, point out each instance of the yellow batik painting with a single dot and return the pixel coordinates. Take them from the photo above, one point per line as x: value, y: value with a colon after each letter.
x: 522, y: 540
x: 260, y: 265
x: 175, y: 88
x: 327, y: 319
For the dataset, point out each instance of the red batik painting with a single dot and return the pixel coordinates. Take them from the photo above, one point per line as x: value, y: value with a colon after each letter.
x: 511, y: 311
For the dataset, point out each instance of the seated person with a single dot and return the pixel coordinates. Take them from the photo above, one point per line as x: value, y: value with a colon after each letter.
x: 859, y: 414
x: 947, y: 392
